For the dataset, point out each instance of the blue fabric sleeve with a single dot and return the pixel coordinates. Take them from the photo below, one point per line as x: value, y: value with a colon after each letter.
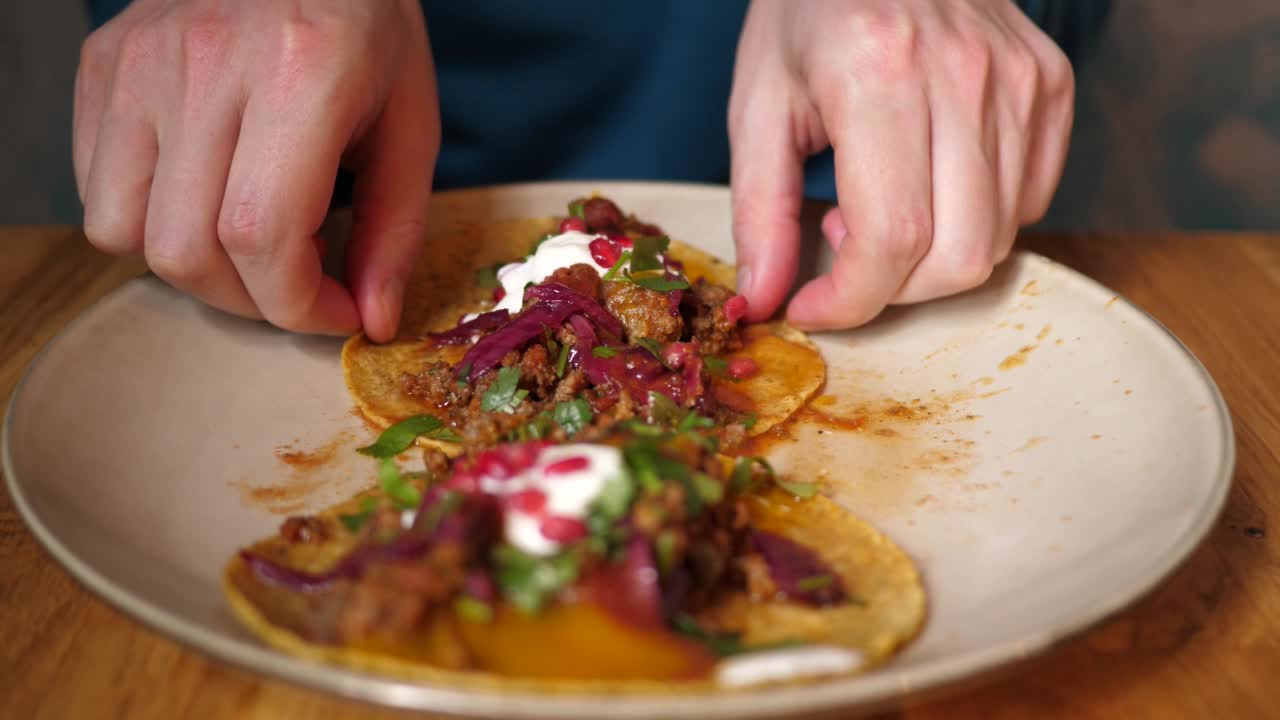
x: 613, y: 90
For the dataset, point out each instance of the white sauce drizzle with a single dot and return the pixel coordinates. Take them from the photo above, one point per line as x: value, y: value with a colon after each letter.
x: 786, y: 663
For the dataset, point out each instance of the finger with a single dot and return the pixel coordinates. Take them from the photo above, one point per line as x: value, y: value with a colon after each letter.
x: 767, y: 186
x: 1050, y: 126
x: 277, y: 194
x: 394, y: 166
x: 833, y: 229
x: 182, y: 244
x: 87, y: 109
x: 119, y: 176
x: 881, y: 136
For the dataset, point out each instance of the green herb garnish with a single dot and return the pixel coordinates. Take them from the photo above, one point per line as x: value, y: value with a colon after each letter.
x: 645, y: 251
x: 722, y: 644
x: 742, y: 478
x: 464, y: 374
x: 814, y: 582
x: 717, y: 366
x: 562, y: 360
x: 445, y: 504
x: 665, y: 548
x: 528, y: 581
x: 694, y: 420
x: 660, y: 284
x: 536, y: 429
x: 469, y: 608
x: 397, y: 438
x: 615, y: 271
x: 355, y: 521
x: 573, y: 415
x: 802, y: 490
x: 749, y: 420
x: 709, y: 489
x: 487, y: 277
x: 578, y: 209
x: 653, y: 346
x: 662, y: 409
x: 603, y: 351
x: 504, y: 395
x: 403, y: 495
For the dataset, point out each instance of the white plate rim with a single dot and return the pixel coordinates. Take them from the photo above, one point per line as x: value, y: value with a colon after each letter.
x: 864, y: 693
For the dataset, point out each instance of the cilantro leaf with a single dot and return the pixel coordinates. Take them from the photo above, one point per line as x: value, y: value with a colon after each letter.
x: 645, y: 251
x: 694, y: 420
x: 397, y: 438
x: 717, y: 366
x: 653, y: 346
x: 469, y: 608
x: 578, y: 209
x: 445, y: 504
x: 742, y: 478
x: 814, y: 582
x: 355, y: 521
x: 528, y: 581
x: 660, y: 284
x: 615, y: 271
x: 802, y: 490
x: 573, y: 415
x: 562, y: 360
x: 464, y: 374
x: 504, y: 395
x: 603, y: 351
x: 749, y: 420
x: 720, y: 644
x: 487, y: 277
x: 662, y: 409
x: 403, y: 495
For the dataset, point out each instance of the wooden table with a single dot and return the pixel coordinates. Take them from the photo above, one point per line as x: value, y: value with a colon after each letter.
x: 1205, y: 644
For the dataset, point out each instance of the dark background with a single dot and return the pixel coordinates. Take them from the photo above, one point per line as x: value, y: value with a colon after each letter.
x: 1177, y: 124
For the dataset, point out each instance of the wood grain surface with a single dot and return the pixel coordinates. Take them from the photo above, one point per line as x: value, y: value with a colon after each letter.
x: 1205, y: 644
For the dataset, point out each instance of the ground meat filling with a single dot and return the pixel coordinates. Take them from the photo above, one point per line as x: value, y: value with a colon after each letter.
x: 550, y: 374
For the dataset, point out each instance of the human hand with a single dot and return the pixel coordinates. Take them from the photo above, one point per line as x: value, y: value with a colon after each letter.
x: 949, y: 122
x: 207, y: 136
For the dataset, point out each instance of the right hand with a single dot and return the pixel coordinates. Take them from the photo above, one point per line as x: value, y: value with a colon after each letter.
x: 208, y: 133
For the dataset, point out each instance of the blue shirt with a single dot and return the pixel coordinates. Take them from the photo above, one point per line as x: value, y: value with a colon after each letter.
x: 607, y: 90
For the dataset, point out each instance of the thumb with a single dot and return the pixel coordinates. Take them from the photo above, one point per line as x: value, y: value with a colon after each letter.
x: 767, y: 185
x: 394, y: 164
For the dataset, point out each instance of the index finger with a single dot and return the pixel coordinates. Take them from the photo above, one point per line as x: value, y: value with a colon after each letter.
x: 277, y: 195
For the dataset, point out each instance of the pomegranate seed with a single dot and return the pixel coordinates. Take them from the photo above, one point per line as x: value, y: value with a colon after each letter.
x: 622, y: 240
x: 568, y: 465
x: 493, y: 465
x: 675, y: 354
x: 604, y: 251
x: 499, y: 293
x: 740, y: 368
x: 529, y: 501
x: 523, y: 455
x: 734, y: 308
x: 574, y: 224
x: 562, y: 529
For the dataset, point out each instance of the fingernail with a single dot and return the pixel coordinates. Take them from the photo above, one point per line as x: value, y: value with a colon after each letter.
x: 392, y: 298
x: 744, y: 280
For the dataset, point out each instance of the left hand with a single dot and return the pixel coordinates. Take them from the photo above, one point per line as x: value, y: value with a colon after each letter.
x: 949, y: 121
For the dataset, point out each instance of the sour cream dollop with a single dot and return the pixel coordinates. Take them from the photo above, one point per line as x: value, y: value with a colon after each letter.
x: 547, y: 501
x: 555, y: 252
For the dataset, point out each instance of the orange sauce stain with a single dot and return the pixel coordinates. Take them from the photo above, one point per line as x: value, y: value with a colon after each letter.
x: 1018, y: 358
x: 1033, y: 442
x: 580, y: 641
x: 290, y: 493
x: 1031, y: 288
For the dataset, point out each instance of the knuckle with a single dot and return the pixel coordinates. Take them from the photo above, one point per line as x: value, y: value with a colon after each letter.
x: 909, y: 235
x: 205, y: 42
x: 173, y: 263
x: 970, y: 269
x: 970, y: 59
x: 108, y: 231
x: 889, y: 42
x: 139, y: 49
x: 241, y: 229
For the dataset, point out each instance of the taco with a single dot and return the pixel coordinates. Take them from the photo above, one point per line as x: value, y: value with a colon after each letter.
x: 602, y: 319
x: 642, y: 561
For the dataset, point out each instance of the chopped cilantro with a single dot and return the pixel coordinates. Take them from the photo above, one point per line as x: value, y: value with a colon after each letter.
x: 445, y: 504
x: 720, y: 644
x: 708, y: 488
x: 469, y: 608
x: 573, y: 415
x: 694, y: 420
x: 403, y: 495
x: 749, y: 420
x: 653, y: 346
x: 504, y: 395
x: 613, y: 501
x: 578, y: 209
x: 528, y: 581
x: 562, y: 360
x: 814, y: 582
x: 487, y: 277
x: 718, y: 366
x: 741, y: 479
x: 615, y: 272
x: 665, y: 547
x: 799, y: 489
x: 662, y: 409
x: 355, y: 521
x: 397, y: 438
x: 464, y: 374
x: 645, y: 251
x: 536, y: 429
x: 603, y: 351
x: 660, y: 284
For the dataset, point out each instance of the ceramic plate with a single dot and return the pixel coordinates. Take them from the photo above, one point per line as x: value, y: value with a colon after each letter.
x: 1044, y: 450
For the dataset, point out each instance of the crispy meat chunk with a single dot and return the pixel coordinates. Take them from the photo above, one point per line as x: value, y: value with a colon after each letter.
x: 581, y: 277
x: 537, y: 370
x: 710, y: 326
x: 644, y: 313
x: 304, y: 529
